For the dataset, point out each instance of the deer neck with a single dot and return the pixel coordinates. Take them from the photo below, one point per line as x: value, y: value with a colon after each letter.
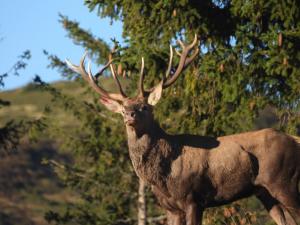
x: 145, y: 150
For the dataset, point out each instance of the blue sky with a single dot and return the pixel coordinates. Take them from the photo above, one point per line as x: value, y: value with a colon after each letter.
x: 33, y: 25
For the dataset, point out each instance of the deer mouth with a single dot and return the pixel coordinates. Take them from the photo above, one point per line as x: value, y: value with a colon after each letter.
x: 130, y: 122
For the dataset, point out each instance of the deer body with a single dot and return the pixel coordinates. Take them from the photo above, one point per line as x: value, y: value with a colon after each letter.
x: 216, y: 171
x: 189, y: 173
x: 208, y: 172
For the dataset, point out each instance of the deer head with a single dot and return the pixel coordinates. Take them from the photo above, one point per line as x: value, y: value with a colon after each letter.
x: 137, y: 111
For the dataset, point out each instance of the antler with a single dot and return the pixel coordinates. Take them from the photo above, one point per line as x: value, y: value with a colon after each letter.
x: 88, y: 76
x: 183, y: 62
x: 141, y: 91
x: 167, y: 80
x: 113, y: 72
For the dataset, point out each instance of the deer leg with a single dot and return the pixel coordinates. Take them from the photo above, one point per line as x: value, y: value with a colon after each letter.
x: 193, y: 215
x: 289, y: 218
x: 290, y: 202
x: 175, y: 219
x: 289, y: 197
x: 273, y: 207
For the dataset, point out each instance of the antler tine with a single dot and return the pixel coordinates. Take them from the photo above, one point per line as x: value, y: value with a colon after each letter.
x: 177, y: 52
x: 73, y: 67
x: 189, y: 47
x: 112, y: 69
x: 97, y: 75
x: 181, y: 43
x: 141, y: 81
x: 93, y: 83
x: 191, y: 58
x: 88, y: 76
x: 170, y: 62
x: 184, y: 60
x: 85, y: 75
x: 194, y: 42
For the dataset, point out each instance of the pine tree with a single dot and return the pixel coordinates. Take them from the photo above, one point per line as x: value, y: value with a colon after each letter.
x: 250, y: 57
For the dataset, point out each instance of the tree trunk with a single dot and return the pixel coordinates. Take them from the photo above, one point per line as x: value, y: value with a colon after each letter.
x: 142, y: 211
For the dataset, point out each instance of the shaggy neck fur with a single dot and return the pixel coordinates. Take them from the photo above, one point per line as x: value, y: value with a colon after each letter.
x: 148, y: 150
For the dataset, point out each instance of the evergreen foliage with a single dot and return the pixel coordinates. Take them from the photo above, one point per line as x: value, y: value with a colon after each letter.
x: 250, y: 59
x: 13, y: 130
x: 100, y: 172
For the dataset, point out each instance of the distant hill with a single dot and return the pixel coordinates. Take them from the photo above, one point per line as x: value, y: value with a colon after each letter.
x: 28, y: 189
x: 29, y: 102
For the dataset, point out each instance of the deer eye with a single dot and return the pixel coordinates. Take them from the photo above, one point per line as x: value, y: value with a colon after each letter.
x: 144, y: 108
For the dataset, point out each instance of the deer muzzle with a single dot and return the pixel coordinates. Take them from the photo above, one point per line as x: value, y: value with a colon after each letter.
x: 130, y: 118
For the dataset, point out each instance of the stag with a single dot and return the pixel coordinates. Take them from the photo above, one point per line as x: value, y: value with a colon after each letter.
x: 189, y: 173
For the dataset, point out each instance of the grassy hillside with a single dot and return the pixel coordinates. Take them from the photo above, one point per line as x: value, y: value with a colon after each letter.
x: 28, y: 189
x: 29, y: 102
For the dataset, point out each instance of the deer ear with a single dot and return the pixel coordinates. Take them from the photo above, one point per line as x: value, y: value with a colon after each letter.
x: 111, y: 105
x: 155, y: 95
